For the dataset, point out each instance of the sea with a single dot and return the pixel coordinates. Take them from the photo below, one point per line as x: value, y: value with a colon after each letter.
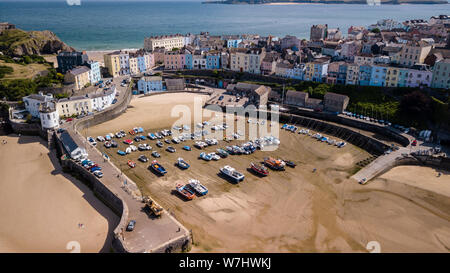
x: 122, y: 24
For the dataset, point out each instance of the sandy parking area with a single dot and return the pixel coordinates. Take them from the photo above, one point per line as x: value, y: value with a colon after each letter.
x: 293, y: 211
x: 41, y: 207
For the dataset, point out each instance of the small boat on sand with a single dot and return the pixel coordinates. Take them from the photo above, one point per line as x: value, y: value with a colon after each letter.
x: 232, y: 174
x: 274, y: 164
x: 205, y: 156
x: 131, y: 163
x: 158, y: 168
x: 185, y: 191
x: 182, y: 164
x: 259, y: 169
x: 290, y: 163
x: 198, y: 187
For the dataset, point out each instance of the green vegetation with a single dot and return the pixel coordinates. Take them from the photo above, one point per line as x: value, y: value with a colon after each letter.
x: 24, y: 60
x: 14, y: 90
x: 5, y: 70
x: 11, y: 39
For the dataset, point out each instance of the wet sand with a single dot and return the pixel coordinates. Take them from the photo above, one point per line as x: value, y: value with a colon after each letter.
x: 41, y: 207
x: 293, y: 211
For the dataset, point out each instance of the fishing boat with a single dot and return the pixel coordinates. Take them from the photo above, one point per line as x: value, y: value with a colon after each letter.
x: 158, y: 168
x: 120, y: 152
x: 290, y: 163
x: 185, y: 191
x: 114, y: 144
x: 151, y: 136
x: 132, y: 164
x: 182, y: 164
x: 159, y: 144
x: 222, y: 153
x: 205, y: 156
x: 274, y: 164
x: 214, y: 156
x: 107, y: 144
x: 259, y: 169
x: 232, y: 174
x: 198, y: 187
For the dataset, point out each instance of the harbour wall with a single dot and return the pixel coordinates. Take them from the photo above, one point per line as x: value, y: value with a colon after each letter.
x: 101, y: 191
x: 354, y: 123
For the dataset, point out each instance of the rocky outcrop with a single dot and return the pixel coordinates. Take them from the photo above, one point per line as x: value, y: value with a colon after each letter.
x: 17, y: 42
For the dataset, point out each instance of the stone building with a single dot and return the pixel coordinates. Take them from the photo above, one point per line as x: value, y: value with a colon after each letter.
x: 335, y: 102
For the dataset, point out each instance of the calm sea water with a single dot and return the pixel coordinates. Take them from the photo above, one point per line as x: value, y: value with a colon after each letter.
x: 120, y: 24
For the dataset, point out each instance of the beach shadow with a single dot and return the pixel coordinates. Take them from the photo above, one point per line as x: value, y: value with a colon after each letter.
x: 229, y: 180
x: 94, y: 202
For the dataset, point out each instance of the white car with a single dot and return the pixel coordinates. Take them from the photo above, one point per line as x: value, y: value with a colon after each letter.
x: 99, y: 174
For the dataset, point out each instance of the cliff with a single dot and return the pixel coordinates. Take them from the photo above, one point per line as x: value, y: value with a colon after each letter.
x: 16, y: 42
x: 384, y: 2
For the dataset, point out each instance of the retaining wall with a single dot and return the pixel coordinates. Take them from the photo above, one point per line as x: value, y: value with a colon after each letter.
x: 102, y: 192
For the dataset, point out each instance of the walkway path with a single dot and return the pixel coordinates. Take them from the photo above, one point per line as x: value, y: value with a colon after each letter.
x: 149, y: 232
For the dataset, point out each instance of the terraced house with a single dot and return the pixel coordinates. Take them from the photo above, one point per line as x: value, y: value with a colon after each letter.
x: 112, y: 63
x: 79, y: 77
x: 441, y: 74
x: 168, y: 42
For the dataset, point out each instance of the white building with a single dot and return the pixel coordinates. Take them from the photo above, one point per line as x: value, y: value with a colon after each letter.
x: 166, y: 41
x: 49, y: 115
x: 33, y: 102
x: 102, y: 100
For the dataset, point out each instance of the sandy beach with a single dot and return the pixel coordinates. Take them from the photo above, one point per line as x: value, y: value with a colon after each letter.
x: 41, y: 208
x: 293, y: 211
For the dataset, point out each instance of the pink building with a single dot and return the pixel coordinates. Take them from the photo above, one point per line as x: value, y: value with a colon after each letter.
x: 332, y: 72
x: 416, y: 78
x: 350, y: 49
x: 174, y: 60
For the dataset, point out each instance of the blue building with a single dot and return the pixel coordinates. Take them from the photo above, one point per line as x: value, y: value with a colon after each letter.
x: 320, y: 71
x: 188, y: 60
x: 342, y: 74
x: 141, y: 64
x: 150, y: 84
x: 213, y: 61
x: 94, y: 74
x: 365, y: 74
x: 378, y: 76
x: 233, y: 43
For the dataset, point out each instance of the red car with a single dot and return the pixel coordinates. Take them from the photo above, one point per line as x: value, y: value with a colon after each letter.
x: 128, y: 141
x: 414, y: 143
x: 95, y: 165
x: 69, y: 119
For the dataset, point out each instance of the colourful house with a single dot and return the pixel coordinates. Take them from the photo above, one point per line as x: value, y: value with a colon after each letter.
x: 150, y: 84
x: 365, y: 73
x: 392, y: 76
x: 378, y: 75
x: 213, y: 60
x: 174, y: 60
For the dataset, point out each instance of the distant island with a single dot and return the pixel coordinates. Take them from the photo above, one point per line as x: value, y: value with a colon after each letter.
x: 385, y: 2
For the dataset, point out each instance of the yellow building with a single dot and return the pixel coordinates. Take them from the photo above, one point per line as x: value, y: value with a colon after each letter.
x: 112, y: 63
x: 68, y: 107
x: 309, y: 71
x: 414, y: 52
x: 79, y: 76
x: 134, y: 69
x: 352, y: 74
x: 392, y: 75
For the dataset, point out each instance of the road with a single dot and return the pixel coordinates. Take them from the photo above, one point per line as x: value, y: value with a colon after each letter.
x: 149, y: 232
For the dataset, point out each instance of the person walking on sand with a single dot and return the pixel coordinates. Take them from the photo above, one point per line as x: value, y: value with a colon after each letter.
x: 314, y: 170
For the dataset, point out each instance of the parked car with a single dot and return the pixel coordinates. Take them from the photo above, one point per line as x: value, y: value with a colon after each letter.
x: 156, y: 154
x: 131, y: 225
x: 114, y: 101
x: 98, y: 173
x: 171, y: 149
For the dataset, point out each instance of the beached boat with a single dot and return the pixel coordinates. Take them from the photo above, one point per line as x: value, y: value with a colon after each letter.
x: 187, y: 148
x: 151, y: 136
x: 114, y: 144
x: 120, y: 152
x: 159, y: 144
x: 274, y: 164
x: 214, y: 156
x: 198, y: 187
x: 222, y: 153
x: 128, y: 141
x: 232, y: 174
x: 158, y: 168
x: 107, y: 144
x: 131, y: 163
x: 205, y: 156
x: 259, y: 169
x: 290, y: 163
x: 184, y: 191
x: 182, y: 164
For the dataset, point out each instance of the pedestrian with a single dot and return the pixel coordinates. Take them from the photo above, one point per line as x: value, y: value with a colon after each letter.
x: 314, y: 170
